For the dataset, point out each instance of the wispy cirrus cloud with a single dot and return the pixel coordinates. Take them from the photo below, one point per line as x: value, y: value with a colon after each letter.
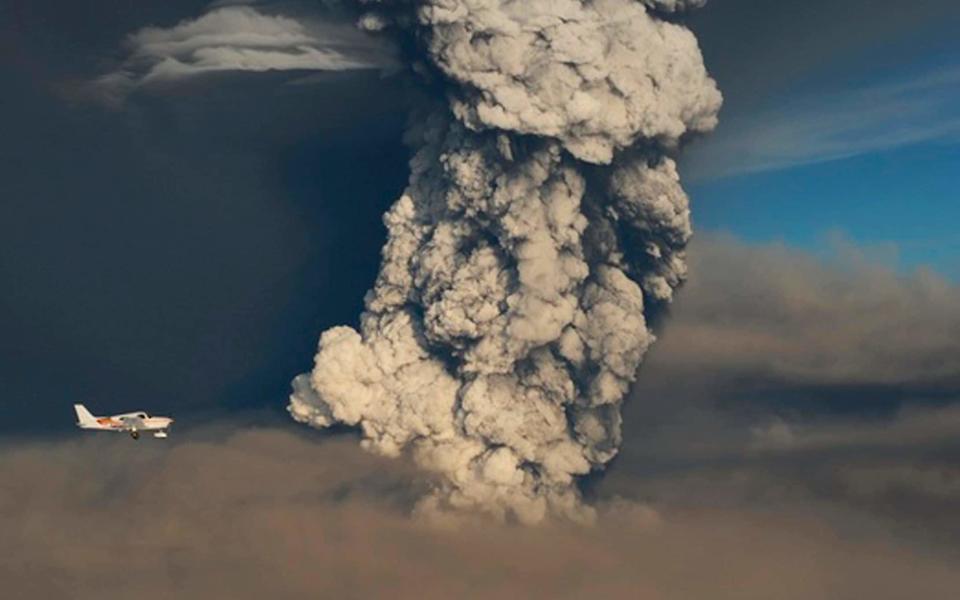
x: 825, y: 127
x: 241, y: 38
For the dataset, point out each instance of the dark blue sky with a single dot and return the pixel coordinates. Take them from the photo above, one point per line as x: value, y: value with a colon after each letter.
x: 180, y: 254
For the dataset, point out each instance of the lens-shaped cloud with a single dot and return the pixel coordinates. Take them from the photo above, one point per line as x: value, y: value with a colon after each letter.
x: 242, y: 38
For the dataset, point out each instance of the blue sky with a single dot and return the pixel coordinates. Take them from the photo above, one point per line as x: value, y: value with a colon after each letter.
x: 866, y: 148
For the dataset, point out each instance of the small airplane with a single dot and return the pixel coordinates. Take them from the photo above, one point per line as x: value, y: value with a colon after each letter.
x: 132, y: 423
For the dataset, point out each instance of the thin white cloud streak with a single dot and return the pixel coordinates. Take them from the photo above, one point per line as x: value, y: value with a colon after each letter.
x: 241, y: 38
x: 828, y: 127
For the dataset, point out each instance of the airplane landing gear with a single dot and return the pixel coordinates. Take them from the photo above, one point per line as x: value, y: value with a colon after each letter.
x: 135, y: 434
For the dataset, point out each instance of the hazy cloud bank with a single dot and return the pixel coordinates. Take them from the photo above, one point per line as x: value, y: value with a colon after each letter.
x: 783, y: 378
x: 769, y: 311
x: 269, y: 513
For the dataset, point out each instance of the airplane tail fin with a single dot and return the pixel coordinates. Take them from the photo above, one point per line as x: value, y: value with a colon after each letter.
x: 84, y: 418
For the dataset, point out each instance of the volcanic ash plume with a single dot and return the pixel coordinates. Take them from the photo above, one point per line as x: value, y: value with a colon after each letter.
x: 542, y: 218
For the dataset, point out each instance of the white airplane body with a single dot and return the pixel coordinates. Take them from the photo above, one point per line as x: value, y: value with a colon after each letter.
x: 132, y: 423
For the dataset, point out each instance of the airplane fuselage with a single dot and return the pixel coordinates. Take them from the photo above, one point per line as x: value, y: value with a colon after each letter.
x: 132, y: 423
x: 123, y: 422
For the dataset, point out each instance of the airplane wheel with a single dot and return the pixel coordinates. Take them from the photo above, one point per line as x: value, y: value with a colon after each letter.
x: 135, y: 435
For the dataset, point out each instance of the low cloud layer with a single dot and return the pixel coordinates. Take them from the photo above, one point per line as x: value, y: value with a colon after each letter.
x: 241, y: 38
x: 802, y: 446
x: 268, y: 513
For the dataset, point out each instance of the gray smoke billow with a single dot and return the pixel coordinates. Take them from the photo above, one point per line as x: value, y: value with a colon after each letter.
x: 543, y: 218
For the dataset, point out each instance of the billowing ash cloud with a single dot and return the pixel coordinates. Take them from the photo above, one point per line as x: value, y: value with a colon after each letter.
x: 542, y: 219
